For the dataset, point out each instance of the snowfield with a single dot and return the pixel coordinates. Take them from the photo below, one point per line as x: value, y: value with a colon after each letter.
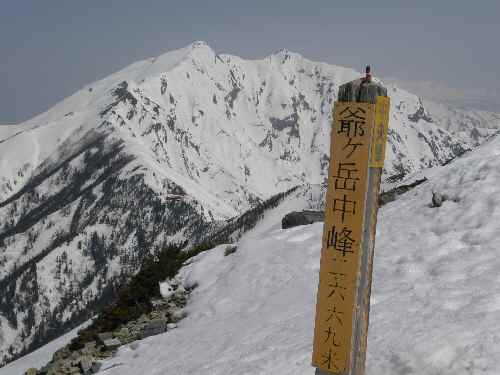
x: 435, y: 302
x: 169, y: 148
x: 40, y: 357
x: 166, y: 150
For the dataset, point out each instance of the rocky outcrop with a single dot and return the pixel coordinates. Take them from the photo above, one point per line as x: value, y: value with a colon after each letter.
x: 296, y: 218
x: 86, y: 361
x: 108, y: 341
x: 391, y: 195
x: 230, y: 249
x: 420, y: 114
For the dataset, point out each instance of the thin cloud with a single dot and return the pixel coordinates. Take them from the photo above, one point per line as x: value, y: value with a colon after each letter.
x: 471, y: 98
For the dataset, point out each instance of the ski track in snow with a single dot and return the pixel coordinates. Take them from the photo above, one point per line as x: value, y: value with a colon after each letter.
x: 435, y: 303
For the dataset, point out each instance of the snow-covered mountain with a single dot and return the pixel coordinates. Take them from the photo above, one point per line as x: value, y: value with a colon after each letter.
x: 434, y: 304
x: 435, y: 297
x: 471, y: 125
x: 166, y: 150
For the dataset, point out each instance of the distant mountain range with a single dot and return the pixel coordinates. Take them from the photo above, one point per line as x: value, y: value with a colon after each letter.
x: 166, y: 150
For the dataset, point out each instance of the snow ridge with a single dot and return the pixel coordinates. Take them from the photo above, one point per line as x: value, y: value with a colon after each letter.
x: 434, y: 305
x: 167, y: 150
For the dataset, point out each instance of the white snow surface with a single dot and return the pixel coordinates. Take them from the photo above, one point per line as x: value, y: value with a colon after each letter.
x: 41, y: 356
x: 435, y: 298
x: 227, y: 131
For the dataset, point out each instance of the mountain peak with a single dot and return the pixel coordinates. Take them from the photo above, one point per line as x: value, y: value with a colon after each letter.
x: 285, y: 54
x: 199, y: 49
x: 283, y: 51
x: 199, y: 44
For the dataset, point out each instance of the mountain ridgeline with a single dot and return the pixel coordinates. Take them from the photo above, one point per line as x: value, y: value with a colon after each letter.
x: 173, y: 149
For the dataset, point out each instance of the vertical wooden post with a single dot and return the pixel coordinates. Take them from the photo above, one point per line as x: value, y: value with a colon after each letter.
x: 347, y: 315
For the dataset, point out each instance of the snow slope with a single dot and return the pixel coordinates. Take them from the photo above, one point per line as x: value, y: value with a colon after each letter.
x: 41, y: 356
x: 435, y: 301
x: 163, y: 151
x: 472, y: 125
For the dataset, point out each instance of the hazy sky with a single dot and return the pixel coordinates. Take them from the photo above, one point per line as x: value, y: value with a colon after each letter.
x: 49, y: 49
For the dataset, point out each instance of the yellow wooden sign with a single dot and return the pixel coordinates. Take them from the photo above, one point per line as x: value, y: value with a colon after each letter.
x: 352, y: 129
x: 380, y: 132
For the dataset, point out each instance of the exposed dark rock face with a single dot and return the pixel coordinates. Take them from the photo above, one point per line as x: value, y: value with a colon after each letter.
x: 437, y: 199
x: 391, y: 195
x: 297, y: 218
x: 289, y: 122
x: 121, y: 95
x: 420, y: 114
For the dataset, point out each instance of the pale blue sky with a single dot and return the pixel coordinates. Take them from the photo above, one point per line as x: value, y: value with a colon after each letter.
x: 49, y: 49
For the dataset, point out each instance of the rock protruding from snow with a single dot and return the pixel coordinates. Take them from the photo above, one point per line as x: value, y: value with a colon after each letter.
x: 155, y: 327
x: 305, y: 217
x: 437, y: 199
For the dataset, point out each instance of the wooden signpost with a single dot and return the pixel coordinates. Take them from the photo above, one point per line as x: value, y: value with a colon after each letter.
x: 358, y: 139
